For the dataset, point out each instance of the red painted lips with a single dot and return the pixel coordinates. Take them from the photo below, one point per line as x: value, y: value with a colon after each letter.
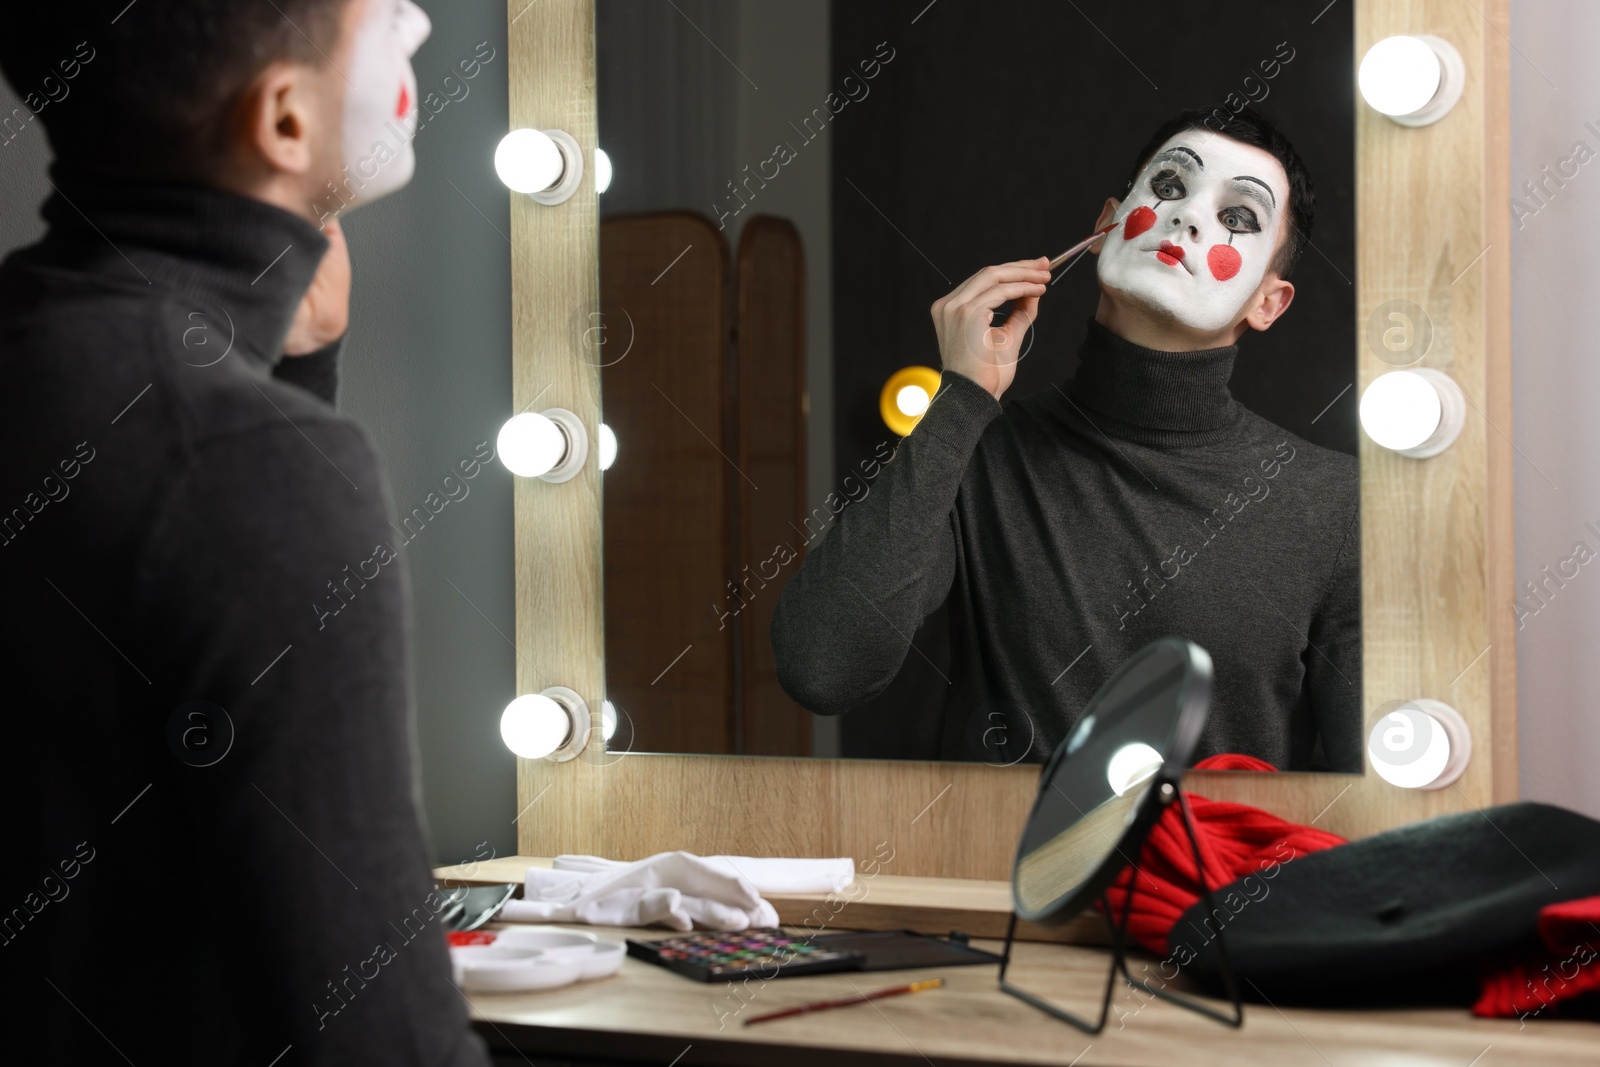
x: 1170, y: 254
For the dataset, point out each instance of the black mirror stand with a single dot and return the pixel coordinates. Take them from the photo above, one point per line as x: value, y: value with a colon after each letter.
x: 1119, y: 961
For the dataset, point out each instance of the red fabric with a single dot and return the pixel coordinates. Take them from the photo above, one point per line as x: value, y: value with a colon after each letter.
x: 1235, y: 840
x: 1567, y: 966
x: 1233, y: 761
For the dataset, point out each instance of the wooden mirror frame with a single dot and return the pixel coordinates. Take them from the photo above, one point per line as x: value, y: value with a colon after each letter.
x: 1436, y: 535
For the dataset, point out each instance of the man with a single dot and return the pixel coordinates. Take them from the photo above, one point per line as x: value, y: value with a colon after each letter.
x: 1071, y: 528
x: 213, y: 851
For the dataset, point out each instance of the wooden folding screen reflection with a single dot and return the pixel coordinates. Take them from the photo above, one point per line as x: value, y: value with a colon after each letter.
x: 702, y: 383
x: 770, y: 351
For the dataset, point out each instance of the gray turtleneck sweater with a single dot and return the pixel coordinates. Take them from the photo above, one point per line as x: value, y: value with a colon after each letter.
x: 213, y: 844
x: 1071, y: 528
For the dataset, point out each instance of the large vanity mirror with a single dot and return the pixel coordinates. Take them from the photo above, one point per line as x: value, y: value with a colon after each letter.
x: 812, y: 547
x: 1436, y: 559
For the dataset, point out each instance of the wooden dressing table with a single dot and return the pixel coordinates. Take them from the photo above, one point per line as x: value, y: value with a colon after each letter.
x: 647, y: 1014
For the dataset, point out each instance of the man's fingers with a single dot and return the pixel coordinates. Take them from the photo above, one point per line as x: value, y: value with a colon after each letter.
x: 1023, y: 314
x: 992, y: 298
x: 1020, y: 270
x: 960, y: 292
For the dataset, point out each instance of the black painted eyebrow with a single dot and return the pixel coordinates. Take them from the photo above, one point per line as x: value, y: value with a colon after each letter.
x: 1171, y: 153
x: 1272, y: 197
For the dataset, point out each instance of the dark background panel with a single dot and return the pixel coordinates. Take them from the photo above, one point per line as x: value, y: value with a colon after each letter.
x: 997, y: 133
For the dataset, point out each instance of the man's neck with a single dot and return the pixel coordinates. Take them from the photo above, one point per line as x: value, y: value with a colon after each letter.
x: 283, y: 193
x: 291, y: 193
x: 1138, y: 326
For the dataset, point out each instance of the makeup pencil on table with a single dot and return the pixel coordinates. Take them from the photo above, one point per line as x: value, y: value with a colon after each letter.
x: 844, y: 1002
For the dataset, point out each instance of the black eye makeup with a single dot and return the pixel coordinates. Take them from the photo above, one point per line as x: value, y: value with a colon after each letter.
x: 1167, y: 185
x: 1239, y: 220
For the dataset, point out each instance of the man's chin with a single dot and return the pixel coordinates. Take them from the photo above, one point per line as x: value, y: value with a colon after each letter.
x: 1126, y: 312
x: 1143, y: 305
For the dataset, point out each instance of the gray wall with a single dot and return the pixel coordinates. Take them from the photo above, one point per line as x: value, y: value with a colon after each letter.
x: 427, y: 371
x: 23, y: 159
x: 1555, y: 90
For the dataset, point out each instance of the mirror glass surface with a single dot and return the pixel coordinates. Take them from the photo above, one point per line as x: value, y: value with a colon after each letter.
x: 793, y: 187
x: 1099, y: 779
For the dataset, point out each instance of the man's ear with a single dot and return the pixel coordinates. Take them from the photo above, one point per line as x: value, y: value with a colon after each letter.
x: 276, y: 119
x: 1272, y: 301
x: 1107, y: 213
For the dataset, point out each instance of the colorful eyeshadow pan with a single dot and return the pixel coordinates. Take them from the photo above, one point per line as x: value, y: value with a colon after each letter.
x: 711, y: 955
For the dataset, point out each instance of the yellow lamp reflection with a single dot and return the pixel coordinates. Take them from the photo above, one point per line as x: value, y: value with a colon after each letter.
x: 906, y: 396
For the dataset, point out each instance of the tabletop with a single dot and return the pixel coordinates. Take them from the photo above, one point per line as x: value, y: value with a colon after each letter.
x: 647, y: 1014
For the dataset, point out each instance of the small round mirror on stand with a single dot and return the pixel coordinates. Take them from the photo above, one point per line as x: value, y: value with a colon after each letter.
x: 1100, y: 794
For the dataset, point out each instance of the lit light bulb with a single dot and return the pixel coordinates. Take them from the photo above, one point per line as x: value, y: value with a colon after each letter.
x: 602, y: 170
x: 1399, y: 75
x: 528, y: 161
x: 608, y: 719
x: 1400, y: 410
x: 1408, y: 748
x: 912, y: 400
x: 1130, y: 765
x: 1419, y: 744
x: 533, y: 726
x: 906, y: 397
x: 608, y: 447
x: 530, y: 444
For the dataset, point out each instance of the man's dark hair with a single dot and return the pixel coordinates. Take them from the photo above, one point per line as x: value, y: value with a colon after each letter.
x: 1250, y: 127
x: 147, y: 89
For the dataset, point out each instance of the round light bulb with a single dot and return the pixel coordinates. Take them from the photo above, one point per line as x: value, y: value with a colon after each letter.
x: 608, y: 719
x: 533, y: 726
x: 1399, y: 75
x: 912, y: 400
x: 1130, y: 765
x: 528, y: 161
x: 530, y: 444
x: 1408, y: 748
x: 906, y: 397
x: 602, y: 170
x: 1400, y: 410
x: 608, y: 447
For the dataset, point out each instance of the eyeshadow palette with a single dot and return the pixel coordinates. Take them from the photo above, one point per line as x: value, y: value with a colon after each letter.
x: 765, y: 952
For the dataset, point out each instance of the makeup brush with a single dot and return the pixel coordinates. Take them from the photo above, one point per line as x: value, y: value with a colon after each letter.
x: 841, y: 1002
x: 1080, y: 246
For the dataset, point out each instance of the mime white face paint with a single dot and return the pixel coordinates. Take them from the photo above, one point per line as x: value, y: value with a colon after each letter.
x: 380, y: 104
x: 1198, y: 229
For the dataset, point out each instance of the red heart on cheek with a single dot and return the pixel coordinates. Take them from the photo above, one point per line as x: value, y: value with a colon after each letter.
x: 1224, y: 261
x: 1138, y: 221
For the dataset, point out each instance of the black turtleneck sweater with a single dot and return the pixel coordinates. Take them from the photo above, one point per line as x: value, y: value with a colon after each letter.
x: 1071, y: 528
x: 213, y: 850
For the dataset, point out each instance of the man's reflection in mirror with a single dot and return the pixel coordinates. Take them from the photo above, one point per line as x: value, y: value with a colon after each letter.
x: 1139, y: 499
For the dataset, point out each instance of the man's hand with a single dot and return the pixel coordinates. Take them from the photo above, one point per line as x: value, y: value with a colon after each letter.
x: 967, y: 343
x: 324, y: 312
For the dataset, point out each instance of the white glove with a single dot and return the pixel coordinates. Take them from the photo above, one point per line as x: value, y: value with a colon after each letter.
x: 767, y: 874
x: 674, y: 889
